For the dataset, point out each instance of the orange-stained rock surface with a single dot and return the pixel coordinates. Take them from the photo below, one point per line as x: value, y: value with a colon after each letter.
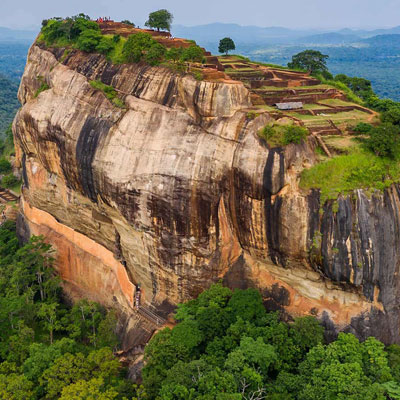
x: 88, y: 268
x: 177, y: 191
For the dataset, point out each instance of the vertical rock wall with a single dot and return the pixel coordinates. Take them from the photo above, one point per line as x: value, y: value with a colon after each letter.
x: 178, y: 191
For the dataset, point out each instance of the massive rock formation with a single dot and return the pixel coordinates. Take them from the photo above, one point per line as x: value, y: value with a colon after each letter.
x: 177, y: 191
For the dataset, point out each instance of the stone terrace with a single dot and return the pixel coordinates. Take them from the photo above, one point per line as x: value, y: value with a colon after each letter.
x: 326, y: 110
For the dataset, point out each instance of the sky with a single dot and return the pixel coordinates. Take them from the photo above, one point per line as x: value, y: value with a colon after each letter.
x: 295, y: 14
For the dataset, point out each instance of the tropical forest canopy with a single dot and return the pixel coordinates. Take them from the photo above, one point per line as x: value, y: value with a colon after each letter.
x: 227, y: 347
x: 48, y: 349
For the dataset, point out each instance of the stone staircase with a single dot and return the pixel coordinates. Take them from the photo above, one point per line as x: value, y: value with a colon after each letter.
x: 6, y: 195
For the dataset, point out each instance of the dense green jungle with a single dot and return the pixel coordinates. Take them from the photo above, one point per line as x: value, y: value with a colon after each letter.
x: 224, y: 346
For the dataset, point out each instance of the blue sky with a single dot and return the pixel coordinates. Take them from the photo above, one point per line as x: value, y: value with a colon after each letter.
x: 287, y: 13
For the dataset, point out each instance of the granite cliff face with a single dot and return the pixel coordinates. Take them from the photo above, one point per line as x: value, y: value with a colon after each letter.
x: 177, y: 191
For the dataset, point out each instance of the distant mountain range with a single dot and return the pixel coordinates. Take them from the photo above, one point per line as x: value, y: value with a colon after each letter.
x: 212, y: 33
x: 392, y: 41
x: 238, y: 33
x: 329, y: 38
x: 375, y: 32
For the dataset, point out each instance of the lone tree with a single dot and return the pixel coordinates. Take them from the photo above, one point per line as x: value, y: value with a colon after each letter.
x: 310, y: 60
x: 225, y: 45
x: 161, y: 19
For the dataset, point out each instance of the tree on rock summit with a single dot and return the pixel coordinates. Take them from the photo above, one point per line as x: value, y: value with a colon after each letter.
x: 225, y: 45
x: 161, y: 19
x: 127, y: 22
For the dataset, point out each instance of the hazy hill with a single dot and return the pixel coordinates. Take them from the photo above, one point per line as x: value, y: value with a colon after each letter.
x: 240, y: 34
x: 392, y: 41
x: 330, y: 38
x: 370, y: 33
x: 275, y: 35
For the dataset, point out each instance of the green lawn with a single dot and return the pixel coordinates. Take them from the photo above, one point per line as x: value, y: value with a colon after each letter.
x: 345, y: 173
x: 314, y: 107
x: 342, y: 144
x: 317, y: 123
x: 306, y: 94
x: 237, y: 58
x: 116, y: 54
x: 354, y: 116
x: 275, y: 66
x: 316, y: 88
x: 240, y: 70
x: 231, y: 59
x: 320, y: 87
x: 306, y: 117
x: 349, y: 118
x: 272, y: 89
x: 337, y: 102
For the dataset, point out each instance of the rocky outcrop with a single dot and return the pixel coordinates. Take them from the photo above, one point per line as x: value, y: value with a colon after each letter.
x: 176, y: 191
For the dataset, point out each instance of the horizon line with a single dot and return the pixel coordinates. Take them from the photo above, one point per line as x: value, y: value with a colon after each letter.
x: 325, y: 29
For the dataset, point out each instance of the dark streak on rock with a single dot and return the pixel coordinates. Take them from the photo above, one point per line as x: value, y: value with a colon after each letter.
x: 141, y: 82
x: 24, y: 174
x: 168, y: 99
x: 89, y: 137
x: 313, y: 215
x: 360, y: 251
x: 110, y: 71
x: 56, y: 135
x: 196, y: 94
x: 272, y: 208
x: 335, y: 258
x: 127, y: 201
x: 23, y: 231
